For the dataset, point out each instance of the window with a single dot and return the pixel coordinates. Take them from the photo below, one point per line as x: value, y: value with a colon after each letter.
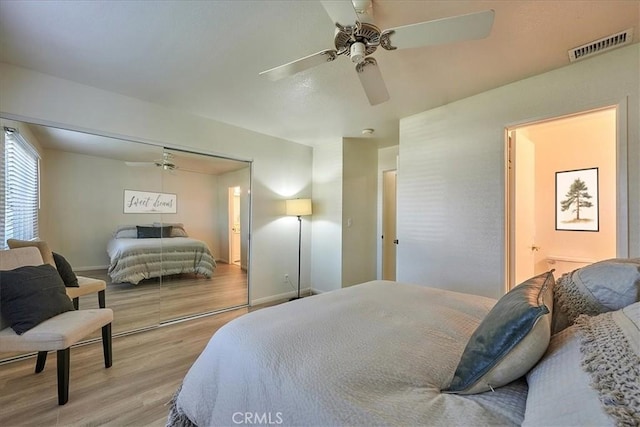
x: 19, y: 198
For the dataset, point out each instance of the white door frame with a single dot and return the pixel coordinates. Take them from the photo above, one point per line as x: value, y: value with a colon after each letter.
x: 622, y: 192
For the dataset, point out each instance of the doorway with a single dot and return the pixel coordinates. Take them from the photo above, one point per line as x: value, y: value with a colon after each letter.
x: 234, y: 226
x: 389, y: 237
x: 539, y: 157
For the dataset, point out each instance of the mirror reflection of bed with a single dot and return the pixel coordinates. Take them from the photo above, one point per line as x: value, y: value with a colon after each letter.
x: 83, y: 178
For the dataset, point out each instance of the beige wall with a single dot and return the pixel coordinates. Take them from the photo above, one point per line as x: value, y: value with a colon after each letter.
x: 581, y: 142
x: 359, y: 197
x: 451, y: 178
x: 326, y: 243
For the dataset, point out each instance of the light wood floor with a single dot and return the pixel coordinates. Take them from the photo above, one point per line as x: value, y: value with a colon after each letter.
x: 148, y: 367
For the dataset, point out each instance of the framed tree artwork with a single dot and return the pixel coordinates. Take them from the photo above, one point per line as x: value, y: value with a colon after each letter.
x: 577, y: 200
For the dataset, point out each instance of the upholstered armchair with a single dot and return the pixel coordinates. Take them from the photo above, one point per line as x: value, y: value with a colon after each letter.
x: 30, y: 292
x: 83, y: 286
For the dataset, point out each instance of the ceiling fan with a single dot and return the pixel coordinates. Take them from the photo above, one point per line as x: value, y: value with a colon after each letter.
x: 166, y: 163
x: 358, y: 37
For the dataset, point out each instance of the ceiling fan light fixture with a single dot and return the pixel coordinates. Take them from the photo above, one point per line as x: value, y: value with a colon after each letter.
x: 358, y: 52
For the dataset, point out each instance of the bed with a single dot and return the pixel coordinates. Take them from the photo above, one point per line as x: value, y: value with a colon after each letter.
x: 155, y: 252
x: 388, y: 353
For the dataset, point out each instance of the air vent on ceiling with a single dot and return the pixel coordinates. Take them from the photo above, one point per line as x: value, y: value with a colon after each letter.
x: 602, y: 45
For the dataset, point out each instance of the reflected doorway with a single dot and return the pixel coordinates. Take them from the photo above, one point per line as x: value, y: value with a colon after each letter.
x: 234, y: 226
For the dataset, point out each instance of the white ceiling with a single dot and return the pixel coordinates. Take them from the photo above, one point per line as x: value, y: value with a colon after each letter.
x: 204, y: 56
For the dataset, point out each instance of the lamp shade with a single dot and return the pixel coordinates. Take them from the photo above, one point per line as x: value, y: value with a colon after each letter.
x: 298, y: 207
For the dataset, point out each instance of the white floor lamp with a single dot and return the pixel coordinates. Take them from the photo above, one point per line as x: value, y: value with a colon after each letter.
x: 298, y: 207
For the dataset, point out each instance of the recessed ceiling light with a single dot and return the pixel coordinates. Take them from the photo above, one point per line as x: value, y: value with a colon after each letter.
x: 367, y: 131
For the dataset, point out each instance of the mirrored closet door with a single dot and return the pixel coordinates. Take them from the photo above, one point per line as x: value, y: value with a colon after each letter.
x: 127, y: 212
x: 206, y: 231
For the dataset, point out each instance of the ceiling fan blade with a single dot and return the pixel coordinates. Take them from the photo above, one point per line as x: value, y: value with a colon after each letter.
x: 372, y: 81
x: 341, y: 11
x: 446, y: 30
x: 301, y: 64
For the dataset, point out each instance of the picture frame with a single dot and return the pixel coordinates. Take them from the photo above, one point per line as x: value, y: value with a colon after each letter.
x: 577, y: 200
x: 149, y: 202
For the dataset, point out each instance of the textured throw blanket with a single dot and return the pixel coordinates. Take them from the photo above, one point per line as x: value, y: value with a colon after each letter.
x: 133, y: 260
x: 372, y: 354
x: 610, y: 346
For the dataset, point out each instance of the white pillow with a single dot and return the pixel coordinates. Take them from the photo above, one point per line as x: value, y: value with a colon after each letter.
x: 126, y: 232
x: 563, y: 393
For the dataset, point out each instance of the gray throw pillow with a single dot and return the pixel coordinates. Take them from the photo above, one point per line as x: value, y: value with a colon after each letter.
x: 597, y: 288
x: 153, y: 232
x: 66, y: 272
x: 510, y: 339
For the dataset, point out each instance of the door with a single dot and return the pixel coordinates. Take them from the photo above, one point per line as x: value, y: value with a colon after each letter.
x: 389, y: 238
x: 523, y: 153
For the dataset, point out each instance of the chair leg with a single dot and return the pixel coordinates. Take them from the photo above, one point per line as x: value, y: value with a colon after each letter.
x: 106, y: 345
x: 101, y: 299
x: 63, y: 375
x: 41, y: 361
x: 76, y: 303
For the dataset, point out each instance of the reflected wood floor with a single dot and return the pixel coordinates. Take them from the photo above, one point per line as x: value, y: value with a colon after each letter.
x: 148, y: 368
x: 154, y: 301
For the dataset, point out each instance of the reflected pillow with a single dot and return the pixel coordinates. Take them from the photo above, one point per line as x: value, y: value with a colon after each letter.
x: 66, y: 272
x: 43, y: 247
x: 509, y: 340
x: 127, y: 233
x: 177, y: 230
x: 596, y: 288
x: 32, y: 294
x: 153, y: 232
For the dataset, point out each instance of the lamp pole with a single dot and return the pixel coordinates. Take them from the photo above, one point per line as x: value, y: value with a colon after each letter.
x: 299, y: 254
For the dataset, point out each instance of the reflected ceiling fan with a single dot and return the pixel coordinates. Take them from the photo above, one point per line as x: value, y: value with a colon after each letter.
x: 166, y: 163
x: 357, y: 37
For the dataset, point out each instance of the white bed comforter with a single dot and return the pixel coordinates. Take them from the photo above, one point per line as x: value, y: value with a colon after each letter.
x: 373, y: 354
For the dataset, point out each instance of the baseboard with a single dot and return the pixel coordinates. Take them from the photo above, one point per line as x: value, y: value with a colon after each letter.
x: 285, y: 295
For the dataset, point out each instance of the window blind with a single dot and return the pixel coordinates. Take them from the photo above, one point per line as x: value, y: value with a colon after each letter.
x: 19, y: 182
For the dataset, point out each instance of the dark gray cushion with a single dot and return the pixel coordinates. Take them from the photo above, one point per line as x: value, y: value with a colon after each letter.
x: 32, y: 294
x: 510, y: 339
x: 66, y: 272
x: 153, y: 232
